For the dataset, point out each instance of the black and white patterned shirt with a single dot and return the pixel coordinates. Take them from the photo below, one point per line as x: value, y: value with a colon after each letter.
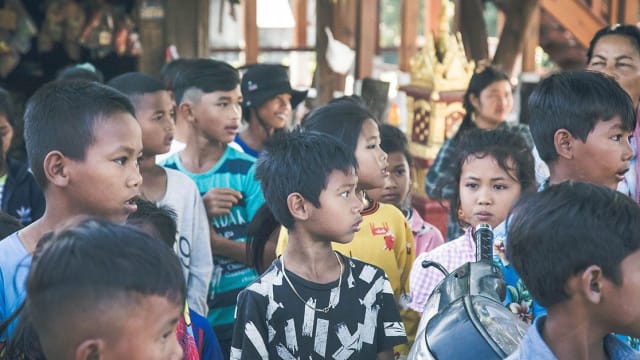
x: 273, y: 323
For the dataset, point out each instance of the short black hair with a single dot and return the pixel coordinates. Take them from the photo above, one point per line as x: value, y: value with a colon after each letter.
x: 342, y: 118
x: 555, y: 234
x: 575, y: 101
x: 501, y: 144
x: 161, y: 219
x: 134, y: 84
x: 206, y: 75
x: 86, y: 72
x: 392, y: 140
x: 62, y: 115
x: 170, y: 70
x: 80, y: 271
x: 632, y: 32
x: 299, y: 161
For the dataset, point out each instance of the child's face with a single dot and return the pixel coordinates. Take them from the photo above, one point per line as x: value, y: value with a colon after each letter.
x: 148, y: 332
x: 218, y: 115
x: 618, y: 56
x: 372, y: 160
x: 6, y: 133
x: 276, y: 112
x: 605, y: 157
x: 494, y: 104
x: 487, y: 191
x: 156, y: 116
x: 397, y: 184
x: 107, y: 181
x: 338, y: 217
x: 624, y: 315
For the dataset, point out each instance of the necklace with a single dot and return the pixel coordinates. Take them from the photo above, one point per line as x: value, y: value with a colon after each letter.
x: 334, y: 299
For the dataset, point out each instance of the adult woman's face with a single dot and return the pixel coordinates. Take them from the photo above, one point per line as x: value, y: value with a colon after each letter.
x: 617, y: 56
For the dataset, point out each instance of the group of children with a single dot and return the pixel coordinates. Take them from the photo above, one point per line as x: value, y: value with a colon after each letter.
x: 335, y: 272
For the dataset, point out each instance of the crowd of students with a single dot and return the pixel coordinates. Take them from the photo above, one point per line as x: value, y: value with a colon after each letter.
x: 262, y: 242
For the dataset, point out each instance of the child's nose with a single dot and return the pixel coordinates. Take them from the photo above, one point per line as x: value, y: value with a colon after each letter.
x: 135, y: 179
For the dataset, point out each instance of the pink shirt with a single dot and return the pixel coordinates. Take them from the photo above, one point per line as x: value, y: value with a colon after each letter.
x: 426, y: 236
x: 451, y: 255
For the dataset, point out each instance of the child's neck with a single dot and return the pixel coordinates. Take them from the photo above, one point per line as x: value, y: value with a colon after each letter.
x: 559, y: 172
x: 56, y: 214
x: 570, y: 334
x: 181, y: 132
x: 201, y: 154
x: 255, y: 135
x: 313, y: 260
x: 154, y: 179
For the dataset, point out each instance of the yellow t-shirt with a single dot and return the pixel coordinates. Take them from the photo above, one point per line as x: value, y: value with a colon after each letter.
x: 386, y: 241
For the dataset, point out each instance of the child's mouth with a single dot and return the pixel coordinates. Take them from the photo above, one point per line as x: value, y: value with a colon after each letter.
x: 131, y: 205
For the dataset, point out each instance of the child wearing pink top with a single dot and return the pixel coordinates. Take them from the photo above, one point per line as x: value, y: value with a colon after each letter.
x: 493, y: 169
x: 397, y: 188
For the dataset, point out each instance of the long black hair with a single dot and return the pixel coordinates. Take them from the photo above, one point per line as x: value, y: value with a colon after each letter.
x: 480, y: 80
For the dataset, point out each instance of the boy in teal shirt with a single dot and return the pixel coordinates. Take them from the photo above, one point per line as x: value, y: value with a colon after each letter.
x: 209, y: 101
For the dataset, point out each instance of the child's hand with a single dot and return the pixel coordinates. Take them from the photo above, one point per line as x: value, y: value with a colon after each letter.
x: 219, y: 201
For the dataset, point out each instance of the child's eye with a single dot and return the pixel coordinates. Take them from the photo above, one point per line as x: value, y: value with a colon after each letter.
x: 471, y: 185
x: 400, y: 172
x: 597, y: 63
x: 222, y: 105
x: 121, y: 160
x: 500, y: 187
x: 616, y: 137
x: 345, y: 194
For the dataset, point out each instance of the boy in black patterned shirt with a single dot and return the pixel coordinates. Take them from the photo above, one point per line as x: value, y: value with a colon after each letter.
x: 314, y: 303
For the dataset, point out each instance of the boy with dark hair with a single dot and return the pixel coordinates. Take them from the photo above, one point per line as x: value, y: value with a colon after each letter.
x: 209, y: 102
x: 321, y: 304
x: 581, y: 122
x: 155, y: 113
x: 83, y: 143
x: 85, y: 304
x: 268, y: 99
x: 576, y: 246
x: 195, y: 335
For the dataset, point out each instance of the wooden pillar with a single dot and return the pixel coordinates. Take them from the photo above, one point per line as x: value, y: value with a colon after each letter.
x: 630, y: 12
x: 300, y: 16
x: 192, y: 40
x: 323, y: 75
x: 409, y: 32
x: 473, y: 29
x: 596, y: 7
x: 531, y: 41
x: 431, y: 15
x: 613, y: 12
x: 250, y: 31
x: 203, y: 7
x: 366, y: 37
x: 152, y: 22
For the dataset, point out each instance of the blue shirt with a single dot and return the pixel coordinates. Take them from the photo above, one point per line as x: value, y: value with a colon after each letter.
x: 534, y: 347
x: 15, y: 262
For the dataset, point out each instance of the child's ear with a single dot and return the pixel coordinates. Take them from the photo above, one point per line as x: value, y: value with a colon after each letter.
x: 56, y: 168
x: 563, y: 142
x: 475, y: 102
x: 186, y: 110
x: 591, y: 283
x: 298, y: 206
x: 91, y: 349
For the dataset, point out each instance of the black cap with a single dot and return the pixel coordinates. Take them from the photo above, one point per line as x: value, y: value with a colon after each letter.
x: 263, y: 82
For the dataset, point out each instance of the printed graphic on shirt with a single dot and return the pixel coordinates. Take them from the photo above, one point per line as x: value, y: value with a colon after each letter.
x: 361, y: 319
x: 387, y: 235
